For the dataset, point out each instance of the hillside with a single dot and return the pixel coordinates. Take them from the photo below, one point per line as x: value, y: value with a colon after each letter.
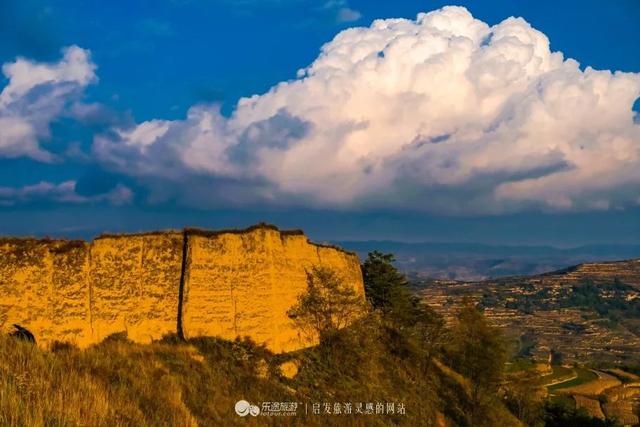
x: 391, y: 360
x: 359, y: 379
x: 589, y: 312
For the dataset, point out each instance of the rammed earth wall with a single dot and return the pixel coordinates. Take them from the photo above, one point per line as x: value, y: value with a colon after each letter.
x: 191, y: 283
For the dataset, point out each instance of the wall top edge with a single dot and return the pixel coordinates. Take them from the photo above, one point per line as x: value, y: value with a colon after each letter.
x: 61, y: 244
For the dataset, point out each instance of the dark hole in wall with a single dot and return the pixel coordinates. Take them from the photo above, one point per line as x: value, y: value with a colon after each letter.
x: 22, y: 333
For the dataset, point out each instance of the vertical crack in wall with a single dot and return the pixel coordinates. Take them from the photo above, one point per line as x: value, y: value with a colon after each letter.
x: 272, y: 279
x: 50, y: 311
x: 89, y: 279
x: 183, y: 273
x: 128, y: 316
x: 235, y: 313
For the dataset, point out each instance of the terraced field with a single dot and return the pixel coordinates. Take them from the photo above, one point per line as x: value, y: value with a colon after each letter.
x: 581, y: 377
x: 559, y: 374
x: 611, y: 393
x: 592, y: 406
x: 586, y: 314
x: 623, y: 411
x: 624, y: 376
x: 586, y: 385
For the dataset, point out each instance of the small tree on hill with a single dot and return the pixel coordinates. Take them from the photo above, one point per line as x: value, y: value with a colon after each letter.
x: 327, y: 306
x: 388, y: 291
x: 382, y: 280
x: 411, y: 325
x: 521, y: 396
x: 478, y: 351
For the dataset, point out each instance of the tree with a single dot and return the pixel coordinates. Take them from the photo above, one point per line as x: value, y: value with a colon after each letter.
x: 327, y: 306
x: 478, y: 352
x: 388, y: 290
x: 560, y: 414
x: 522, y: 397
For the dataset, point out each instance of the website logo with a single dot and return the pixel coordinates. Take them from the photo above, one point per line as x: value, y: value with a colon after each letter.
x: 244, y: 408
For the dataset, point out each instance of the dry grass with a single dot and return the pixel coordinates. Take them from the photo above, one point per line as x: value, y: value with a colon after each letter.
x: 77, y: 388
x: 176, y: 383
x: 121, y: 384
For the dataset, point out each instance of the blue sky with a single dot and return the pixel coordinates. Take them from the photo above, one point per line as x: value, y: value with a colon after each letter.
x: 156, y: 60
x: 159, y: 57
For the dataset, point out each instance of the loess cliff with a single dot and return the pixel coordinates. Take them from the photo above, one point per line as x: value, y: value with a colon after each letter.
x: 237, y: 283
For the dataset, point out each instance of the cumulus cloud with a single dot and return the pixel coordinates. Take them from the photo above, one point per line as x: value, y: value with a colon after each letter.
x: 440, y: 113
x: 36, y: 95
x: 64, y: 192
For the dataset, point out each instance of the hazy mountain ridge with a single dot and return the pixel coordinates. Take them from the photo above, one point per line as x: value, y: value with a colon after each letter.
x: 476, y: 261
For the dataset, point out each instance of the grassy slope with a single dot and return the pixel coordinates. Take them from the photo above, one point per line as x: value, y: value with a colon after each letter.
x: 558, y: 374
x: 119, y: 383
x: 584, y: 376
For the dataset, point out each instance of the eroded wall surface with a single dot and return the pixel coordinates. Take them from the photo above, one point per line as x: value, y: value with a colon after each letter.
x: 234, y: 284
x: 135, y: 284
x: 243, y: 284
x: 43, y: 286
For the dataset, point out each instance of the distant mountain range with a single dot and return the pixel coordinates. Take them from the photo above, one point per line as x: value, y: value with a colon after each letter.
x: 475, y: 261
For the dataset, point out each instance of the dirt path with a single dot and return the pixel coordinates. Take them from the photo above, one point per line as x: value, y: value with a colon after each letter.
x: 562, y: 380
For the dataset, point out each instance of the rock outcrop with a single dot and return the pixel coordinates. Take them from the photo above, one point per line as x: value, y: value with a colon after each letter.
x: 235, y: 283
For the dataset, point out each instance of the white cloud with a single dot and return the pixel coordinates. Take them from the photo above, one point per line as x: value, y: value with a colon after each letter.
x: 64, y: 192
x: 344, y: 13
x: 36, y: 95
x: 443, y: 113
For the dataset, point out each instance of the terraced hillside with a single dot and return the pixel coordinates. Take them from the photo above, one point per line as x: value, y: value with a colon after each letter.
x: 611, y: 393
x: 627, y: 272
x: 587, y: 313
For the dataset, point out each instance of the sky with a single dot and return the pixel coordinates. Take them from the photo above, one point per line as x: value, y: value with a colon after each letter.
x: 494, y: 122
